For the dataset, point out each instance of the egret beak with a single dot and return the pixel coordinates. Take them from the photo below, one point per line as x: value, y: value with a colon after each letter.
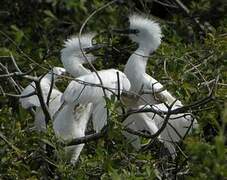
x: 94, y: 48
x: 125, y: 31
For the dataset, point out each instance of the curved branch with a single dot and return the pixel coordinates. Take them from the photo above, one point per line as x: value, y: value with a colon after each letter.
x: 42, y: 103
x: 155, y: 135
x: 88, y: 138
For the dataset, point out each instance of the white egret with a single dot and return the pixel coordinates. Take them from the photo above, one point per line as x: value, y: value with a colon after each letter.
x: 69, y: 123
x: 33, y: 101
x: 148, y: 37
x: 147, y: 34
x: 72, y: 59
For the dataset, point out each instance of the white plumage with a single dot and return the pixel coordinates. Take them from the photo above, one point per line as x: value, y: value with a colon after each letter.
x: 149, y: 39
x: 70, y: 123
x: 139, y: 122
x: 178, y: 125
x: 72, y: 57
x: 87, y: 89
x: 84, y: 88
x: 33, y: 101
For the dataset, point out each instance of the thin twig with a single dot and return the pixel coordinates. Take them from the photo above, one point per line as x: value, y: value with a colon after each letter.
x: 42, y: 103
x: 11, y: 80
x: 200, y: 74
x: 16, y: 95
x: 119, y: 87
x: 81, y: 49
x: 51, y: 88
x: 88, y: 138
x: 187, y: 12
x: 177, y: 110
x: 166, y: 4
x: 155, y: 135
x: 21, y: 51
x: 2, y: 136
x: 14, y: 63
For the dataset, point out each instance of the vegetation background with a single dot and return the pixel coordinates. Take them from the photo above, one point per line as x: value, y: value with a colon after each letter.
x: 34, y: 30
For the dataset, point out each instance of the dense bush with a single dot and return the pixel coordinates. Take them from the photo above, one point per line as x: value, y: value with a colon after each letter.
x: 34, y: 31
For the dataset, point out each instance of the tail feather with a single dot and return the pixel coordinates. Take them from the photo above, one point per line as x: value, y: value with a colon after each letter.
x: 74, y: 152
x: 99, y: 117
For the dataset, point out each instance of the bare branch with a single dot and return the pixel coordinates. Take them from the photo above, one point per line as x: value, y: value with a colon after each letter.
x: 14, y: 63
x: 19, y: 74
x: 119, y: 87
x: 51, y: 88
x: 175, y: 111
x: 155, y: 135
x: 81, y: 30
x: 187, y: 12
x: 10, y: 79
x: 165, y: 70
x: 166, y: 4
x: 16, y: 95
x: 88, y: 138
x: 42, y: 103
x: 205, y: 81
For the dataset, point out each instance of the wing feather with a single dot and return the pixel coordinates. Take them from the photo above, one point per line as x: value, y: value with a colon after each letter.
x: 99, y: 117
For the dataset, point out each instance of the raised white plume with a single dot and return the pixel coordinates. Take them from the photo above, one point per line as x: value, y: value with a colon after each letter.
x: 149, y: 32
x: 72, y: 57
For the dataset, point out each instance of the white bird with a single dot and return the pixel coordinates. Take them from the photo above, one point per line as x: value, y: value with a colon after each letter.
x: 70, y: 123
x: 87, y: 89
x: 148, y: 36
x: 178, y: 126
x: 33, y: 101
x: 73, y: 60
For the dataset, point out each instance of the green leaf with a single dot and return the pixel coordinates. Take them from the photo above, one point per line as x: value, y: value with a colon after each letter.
x: 4, y: 51
x: 220, y: 146
x: 50, y: 14
x: 46, y: 141
x: 18, y: 34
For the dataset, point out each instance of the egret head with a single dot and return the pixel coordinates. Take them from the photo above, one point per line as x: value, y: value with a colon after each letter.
x: 148, y: 32
x: 72, y: 48
x: 143, y: 31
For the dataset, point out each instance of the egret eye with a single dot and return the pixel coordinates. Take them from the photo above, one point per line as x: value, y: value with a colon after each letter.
x: 134, y: 31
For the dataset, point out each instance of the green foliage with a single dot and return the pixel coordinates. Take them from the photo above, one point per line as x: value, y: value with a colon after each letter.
x: 37, y: 29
